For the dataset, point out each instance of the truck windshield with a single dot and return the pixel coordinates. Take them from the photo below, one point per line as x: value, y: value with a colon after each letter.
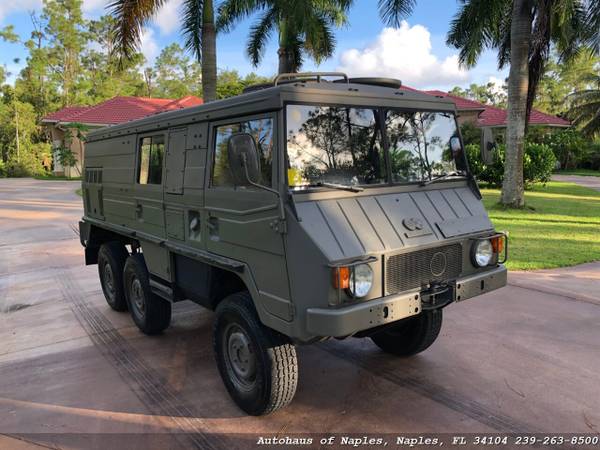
x: 344, y: 146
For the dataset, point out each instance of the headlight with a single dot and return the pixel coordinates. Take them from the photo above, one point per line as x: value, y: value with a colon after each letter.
x: 361, y: 280
x: 483, y: 252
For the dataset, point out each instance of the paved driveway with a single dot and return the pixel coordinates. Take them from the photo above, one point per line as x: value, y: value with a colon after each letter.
x: 591, y: 182
x: 75, y: 374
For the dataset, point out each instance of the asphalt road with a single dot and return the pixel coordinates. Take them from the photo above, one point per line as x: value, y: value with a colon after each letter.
x: 75, y: 374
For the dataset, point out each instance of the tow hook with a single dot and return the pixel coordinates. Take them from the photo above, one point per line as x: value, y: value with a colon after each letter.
x: 436, y: 296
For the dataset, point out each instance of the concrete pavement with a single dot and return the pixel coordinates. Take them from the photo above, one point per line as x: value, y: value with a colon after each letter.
x: 75, y: 374
x: 591, y: 182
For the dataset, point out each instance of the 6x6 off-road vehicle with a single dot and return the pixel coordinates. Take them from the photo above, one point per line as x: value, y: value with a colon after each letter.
x: 317, y: 206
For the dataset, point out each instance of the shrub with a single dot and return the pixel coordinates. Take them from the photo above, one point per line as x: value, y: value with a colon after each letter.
x: 591, y: 158
x: 2, y: 169
x: 538, y: 164
x: 569, y: 147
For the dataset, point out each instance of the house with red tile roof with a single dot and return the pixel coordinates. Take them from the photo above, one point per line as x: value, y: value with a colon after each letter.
x: 110, y: 112
x: 491, y: 116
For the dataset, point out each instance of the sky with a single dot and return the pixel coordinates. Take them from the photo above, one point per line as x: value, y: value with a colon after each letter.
x: 415, y: 53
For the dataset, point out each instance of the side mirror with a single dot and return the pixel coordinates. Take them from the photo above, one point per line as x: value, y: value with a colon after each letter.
x: 244, y: 162
x: 488, y: 146
x: 455, y: 145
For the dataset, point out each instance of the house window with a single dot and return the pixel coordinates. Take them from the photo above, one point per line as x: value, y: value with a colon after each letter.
x: 150, y: 162
x: 262, y: 131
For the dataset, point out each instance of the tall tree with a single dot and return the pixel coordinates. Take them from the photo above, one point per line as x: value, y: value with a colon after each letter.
x: 522, y: 31
x: 488, y: 94
x: 174, y: 74
x: 585, y: 111
x: 304, y: 27
x: 198, y: 27
x: 560, y: 80
x: 66, y: 36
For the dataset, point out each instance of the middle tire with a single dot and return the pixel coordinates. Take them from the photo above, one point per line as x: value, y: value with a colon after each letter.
x: 257, y: 364
x: 151, y: 314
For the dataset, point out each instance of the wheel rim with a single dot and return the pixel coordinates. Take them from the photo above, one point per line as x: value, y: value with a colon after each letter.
x: 137, y: 296
x: 239, y: 357
x: 109, y: 282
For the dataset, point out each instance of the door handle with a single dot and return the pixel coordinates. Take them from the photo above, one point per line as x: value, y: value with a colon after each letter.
x: 138, y: 210
x: 213, y: 227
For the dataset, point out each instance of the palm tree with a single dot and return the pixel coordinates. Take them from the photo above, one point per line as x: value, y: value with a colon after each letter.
x: 585, y: 111
x: 304, y: 27
x: 198, y: 27
x: 522, y: 31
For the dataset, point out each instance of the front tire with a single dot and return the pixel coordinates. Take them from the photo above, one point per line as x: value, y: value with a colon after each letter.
x: 410, y: 336
x: 257, y: 364
x: 111, y: 260
x: 151, y: 313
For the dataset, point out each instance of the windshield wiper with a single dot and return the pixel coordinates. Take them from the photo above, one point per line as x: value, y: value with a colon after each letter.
x: 341, y: 187
x: 441, y: 177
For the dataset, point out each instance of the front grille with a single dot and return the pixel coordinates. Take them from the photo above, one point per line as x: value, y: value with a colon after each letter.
x: 416, y: 269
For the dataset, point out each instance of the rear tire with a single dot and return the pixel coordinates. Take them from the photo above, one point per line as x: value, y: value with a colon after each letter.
x: 257, y: 364
x: 151, y: 313
x: 410, y: 336
x: 111, y: 261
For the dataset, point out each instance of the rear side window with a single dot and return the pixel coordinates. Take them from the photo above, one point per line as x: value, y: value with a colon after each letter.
x: 262, y: 131
x: 150, y: 159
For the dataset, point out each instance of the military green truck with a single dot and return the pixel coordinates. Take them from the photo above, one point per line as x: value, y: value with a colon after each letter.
x: 317, y: 206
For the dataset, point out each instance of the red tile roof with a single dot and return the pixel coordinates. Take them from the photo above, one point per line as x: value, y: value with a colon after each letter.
x: 460, y: 102
x: 491, y: 116
x: 496, y: 117
x: 120, y: 109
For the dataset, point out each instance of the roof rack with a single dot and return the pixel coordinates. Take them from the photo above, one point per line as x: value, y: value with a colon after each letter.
x: 307, y: 75
x: 285, y: 78
x: 393, y: 83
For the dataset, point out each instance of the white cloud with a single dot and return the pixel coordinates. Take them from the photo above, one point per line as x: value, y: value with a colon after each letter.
x: 149, y: 47
x: 167, y: 18
x: 94, y: 5
x: 403, y: 53
x: 12, y: 6
x: 498, y: 85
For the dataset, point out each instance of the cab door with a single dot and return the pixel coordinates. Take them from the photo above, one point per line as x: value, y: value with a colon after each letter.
x: 241, y: 220
x: 148, y: 187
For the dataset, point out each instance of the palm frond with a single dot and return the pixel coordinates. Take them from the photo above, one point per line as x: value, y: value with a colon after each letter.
x: 319, y: 41
x: 593, y: 25
x: 479, y: 24
x: 231, y: 12
x: 260, y: 33
x: 393, y: 11
x: 131, y: 16
x: 192, y: 26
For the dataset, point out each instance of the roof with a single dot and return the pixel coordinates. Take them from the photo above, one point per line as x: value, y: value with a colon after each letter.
x: 460, y: 102
x: 271, y: 98
x: 119, y: 110
x: 496, y: 117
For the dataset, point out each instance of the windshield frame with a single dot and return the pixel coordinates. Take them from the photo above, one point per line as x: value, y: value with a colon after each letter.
x: 381, y: 111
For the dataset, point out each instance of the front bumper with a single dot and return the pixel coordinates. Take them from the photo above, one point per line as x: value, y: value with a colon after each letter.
x: 352, y: 319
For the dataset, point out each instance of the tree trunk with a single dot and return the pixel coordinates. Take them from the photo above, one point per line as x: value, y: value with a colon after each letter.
x: 286, y: 61
x: 285, y: 53
x: 209, y: 53
x: 518, y: 83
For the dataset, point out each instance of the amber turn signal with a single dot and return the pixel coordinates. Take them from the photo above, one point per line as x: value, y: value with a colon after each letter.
x: 341, y: 277
x: 498, y: 244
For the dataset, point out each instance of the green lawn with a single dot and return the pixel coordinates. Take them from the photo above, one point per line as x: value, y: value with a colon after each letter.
x: 560, y: 226
x: 582, y: 172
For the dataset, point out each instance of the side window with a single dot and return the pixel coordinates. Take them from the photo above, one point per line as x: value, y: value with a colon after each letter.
x: 262, y: 130
x: 150, y: 159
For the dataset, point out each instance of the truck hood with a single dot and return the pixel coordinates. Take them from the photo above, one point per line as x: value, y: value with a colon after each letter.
x: 386, y: 223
